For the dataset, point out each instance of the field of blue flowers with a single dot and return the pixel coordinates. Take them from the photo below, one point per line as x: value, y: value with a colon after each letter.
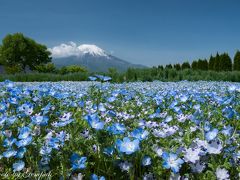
x: 93, y: 130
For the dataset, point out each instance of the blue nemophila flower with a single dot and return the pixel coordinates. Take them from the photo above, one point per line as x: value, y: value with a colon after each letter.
x: 20, y: 153
x: 232, y: 88
x: 111, y: 99
x: 9, y: 142
x: 62, y: 136
x: 13, y: 100
x: 139, y: 133
x: 214, y: 147
x: 65, y: 116
x: 9, y: 153
x: 78, y: 162
x: 8, y: 83
x: 104, y: 78
x: 62, y: 123
x: 18, y: 166
x: 227, y: 130
x: 127, y: 146
x: 116, y: 128
x: 210, y: 135
x: 81, y: 103
x: 95, y: 122
x: 92, y: 78
x: 192, y: 155
x: 3, y: 119
x: 26, y: 108
x: 39, y: 120
x: 222, y: 174
x: 125, y: 166
x: 45, y: 150
x: 11, y: 120
x: 168, y: 119
x: 24, y: 142
x: 112, y: 113
x: 95, y: 177
x: 198, y: 167
x: 3, y: 107
x: 183, y: 98
x: 64, y: 120
x: 228, y: 112
x: 24, y: 132
x: 171, y: 161
x: 53, y: 143
x: 146, y: 161
x: 207, y: 126
x: 101, y: 107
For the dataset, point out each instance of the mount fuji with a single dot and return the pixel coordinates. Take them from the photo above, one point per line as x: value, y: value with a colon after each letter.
x: 90, y: 56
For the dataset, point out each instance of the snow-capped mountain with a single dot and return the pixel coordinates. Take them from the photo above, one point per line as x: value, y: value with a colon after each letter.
x: 92, y: 50
x: 88, y: 55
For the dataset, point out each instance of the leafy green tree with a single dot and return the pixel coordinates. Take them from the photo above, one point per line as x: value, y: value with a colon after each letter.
x: 169, y: 66
x: 130, y: 74
x: 75, y: 69
x: 160, y: 67
x: 211, y: 63
x: 21, y: 51
x: 63, y: 70
x: 217, y: 63
x: 154, y: 71
x: 186, y: 65
x: 236, y: 65
x: 205, y: 65
x: 194, y: 65
x: 13, y: 69
x: 225, y: 63
x: 177, y: 67
x: 46, y: 68
x: 202, y: 64
x: 112, y: 72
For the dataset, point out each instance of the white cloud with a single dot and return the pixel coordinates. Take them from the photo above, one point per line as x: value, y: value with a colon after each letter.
x: 72, y: 49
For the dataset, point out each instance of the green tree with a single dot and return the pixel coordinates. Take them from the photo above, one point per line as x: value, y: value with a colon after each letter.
x: 169, y: 66
x: 177, y: 67
x: 225, y: 63
x: 211, y: 63
x: 186, y: 65
x: 112, y: 72
x: 63, y: 70
x: 75, y: 69
x: 202, y: 64
x: 130, y: 74
x: 13, y: 69
x: 205, y: 65
x: 217, y: 63
x: 46, y: 68
x: 160, y: 67
x: 21, y: 51
x: 236, y: 65
x: 194, y: 65
x: 154, y: 71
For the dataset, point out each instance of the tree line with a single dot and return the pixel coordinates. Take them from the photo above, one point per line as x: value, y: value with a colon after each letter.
x: 219, y: 62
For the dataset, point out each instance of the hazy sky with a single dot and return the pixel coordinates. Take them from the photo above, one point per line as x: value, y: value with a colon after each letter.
x: 149, y: 32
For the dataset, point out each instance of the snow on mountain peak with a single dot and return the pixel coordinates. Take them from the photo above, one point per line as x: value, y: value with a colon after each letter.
x: 91, y: 49
x: 72, y: 49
